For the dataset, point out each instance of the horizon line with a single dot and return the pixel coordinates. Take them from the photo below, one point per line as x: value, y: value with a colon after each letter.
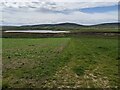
x: 62, y: 23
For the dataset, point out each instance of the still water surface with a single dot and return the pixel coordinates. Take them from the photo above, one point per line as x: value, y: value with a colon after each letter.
x: 35, y: 31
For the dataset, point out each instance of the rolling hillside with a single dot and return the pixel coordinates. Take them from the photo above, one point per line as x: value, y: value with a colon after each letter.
x: 66, y: 26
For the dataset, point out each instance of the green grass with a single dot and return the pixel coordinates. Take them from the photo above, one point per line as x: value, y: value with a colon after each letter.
x: 0, y: 62
x: 97, y: 53
x: 31, y: 58
x: 79, y: 70
x: 60, y: 62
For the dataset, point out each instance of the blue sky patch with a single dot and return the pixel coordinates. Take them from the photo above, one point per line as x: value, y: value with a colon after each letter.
x: 100, y: 9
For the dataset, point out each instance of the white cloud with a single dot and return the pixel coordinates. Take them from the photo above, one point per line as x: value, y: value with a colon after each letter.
x: 56, y: 4
x: 53, y: 4
x: 31, y: 17
x: 60, y: 0
x: 40, y: 11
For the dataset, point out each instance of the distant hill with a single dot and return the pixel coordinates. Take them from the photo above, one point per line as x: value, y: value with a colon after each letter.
x: 107, y: 25
x: 63, y: 26
x: 60, y: 24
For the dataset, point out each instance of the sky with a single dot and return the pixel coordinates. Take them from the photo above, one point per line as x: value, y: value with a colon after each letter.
x: 31, y: 12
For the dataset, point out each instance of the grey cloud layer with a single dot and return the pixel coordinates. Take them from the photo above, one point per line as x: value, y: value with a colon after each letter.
x: 47, y: 11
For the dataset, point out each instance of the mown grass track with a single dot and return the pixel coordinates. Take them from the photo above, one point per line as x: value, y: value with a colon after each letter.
x: 60, y: 62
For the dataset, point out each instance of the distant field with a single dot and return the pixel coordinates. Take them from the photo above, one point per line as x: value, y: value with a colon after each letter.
x: 60, y: 62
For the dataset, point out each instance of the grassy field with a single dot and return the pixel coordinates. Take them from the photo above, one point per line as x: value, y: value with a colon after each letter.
x: 76, y: 62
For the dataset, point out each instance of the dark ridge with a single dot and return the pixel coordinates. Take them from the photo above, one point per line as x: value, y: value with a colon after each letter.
x: 65, y: 24
x: 60, y: 24
x: 107, y: 24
